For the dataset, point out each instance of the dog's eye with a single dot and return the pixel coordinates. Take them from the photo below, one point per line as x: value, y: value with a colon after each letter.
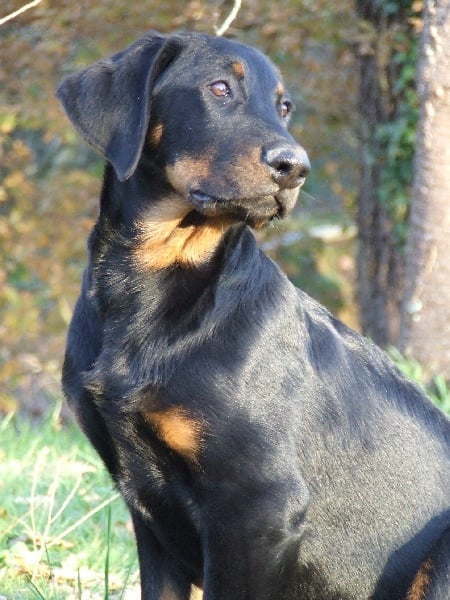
x: 285, y: 108
x: 221, y: 89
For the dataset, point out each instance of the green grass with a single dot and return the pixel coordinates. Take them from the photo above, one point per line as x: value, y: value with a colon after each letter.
x: 436, y: 388
x: 64, y: 532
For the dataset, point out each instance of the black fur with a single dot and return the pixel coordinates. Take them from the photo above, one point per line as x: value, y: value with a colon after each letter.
x: 305, y: 467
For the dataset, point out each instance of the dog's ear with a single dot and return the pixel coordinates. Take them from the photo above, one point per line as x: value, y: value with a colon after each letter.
x: 109, y: 102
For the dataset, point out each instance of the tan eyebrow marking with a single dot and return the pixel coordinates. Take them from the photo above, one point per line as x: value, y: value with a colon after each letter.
x: 155, y: 135
x: 238, y: 69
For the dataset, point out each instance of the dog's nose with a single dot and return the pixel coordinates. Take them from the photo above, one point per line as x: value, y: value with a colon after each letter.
x: 289, y: 165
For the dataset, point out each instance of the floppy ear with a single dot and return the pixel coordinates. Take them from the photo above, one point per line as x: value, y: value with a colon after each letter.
x: 109, y: 102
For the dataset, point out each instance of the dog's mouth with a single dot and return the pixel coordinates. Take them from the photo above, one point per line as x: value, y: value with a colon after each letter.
x: 256, y: 212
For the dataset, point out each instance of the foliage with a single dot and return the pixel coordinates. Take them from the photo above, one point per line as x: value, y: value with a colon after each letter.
x: 438, y: 389
x: 396, y: 137
x: 317, y: 258
x: 387, y: 49
x: 57, y: 501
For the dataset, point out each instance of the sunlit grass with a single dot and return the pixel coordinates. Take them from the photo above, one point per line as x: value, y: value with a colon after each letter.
x: 437, y: 388
x: 64, y: 532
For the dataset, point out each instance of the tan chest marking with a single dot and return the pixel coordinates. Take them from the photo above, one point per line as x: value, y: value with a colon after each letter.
x: 163, y: 243
x: 176, y: 428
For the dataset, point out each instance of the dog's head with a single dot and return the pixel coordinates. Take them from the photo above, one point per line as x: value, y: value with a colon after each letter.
x: 209, y: 113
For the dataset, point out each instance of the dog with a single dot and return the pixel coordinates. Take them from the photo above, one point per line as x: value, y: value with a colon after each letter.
x: 264, y: 449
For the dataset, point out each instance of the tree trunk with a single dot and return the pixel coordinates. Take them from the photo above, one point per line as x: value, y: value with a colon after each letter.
x: 425, y: 327
x: 379, y: 263
x: 373, y: 226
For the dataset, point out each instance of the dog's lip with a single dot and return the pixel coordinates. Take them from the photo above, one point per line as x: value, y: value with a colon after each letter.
x: 202, y: 201
x: 210, y: 206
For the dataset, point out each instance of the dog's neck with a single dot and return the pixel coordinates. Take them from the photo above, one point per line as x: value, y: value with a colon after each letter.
x: 146, y: 305
x: 149, y: 248
x: 162, y: 228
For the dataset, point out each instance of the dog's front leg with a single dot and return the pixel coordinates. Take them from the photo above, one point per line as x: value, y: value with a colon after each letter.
x: 161, y: 577
x: 244, y: 569
x: 250, y: 545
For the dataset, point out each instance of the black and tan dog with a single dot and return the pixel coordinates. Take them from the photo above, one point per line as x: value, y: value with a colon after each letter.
x: 265, y: 450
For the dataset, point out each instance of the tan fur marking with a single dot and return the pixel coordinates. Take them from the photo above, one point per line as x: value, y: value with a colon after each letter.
x: 168, y: 593
x: 196, y: 593
x: 155, y: 135
x: 163, y: 243
x: 252, y: 164
x: 187, y: 170
x: 238, y: 69
x: 280, y: 89
x: 178, y: 430
x: 202, y: 242
x: 419, y: 586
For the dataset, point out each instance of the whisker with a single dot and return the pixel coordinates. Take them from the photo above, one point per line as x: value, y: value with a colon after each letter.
x: 309, y: 196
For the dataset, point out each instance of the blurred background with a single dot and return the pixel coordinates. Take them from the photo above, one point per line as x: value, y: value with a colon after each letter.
x: 351, y: 69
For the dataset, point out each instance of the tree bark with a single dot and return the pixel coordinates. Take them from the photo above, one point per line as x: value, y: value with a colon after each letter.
x: 379, y: 266
x: 425, y: 327
x: 374, y: 243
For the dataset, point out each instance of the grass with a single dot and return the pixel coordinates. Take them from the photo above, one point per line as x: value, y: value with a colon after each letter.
x: 64, y: 532
x: 437, y: 388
